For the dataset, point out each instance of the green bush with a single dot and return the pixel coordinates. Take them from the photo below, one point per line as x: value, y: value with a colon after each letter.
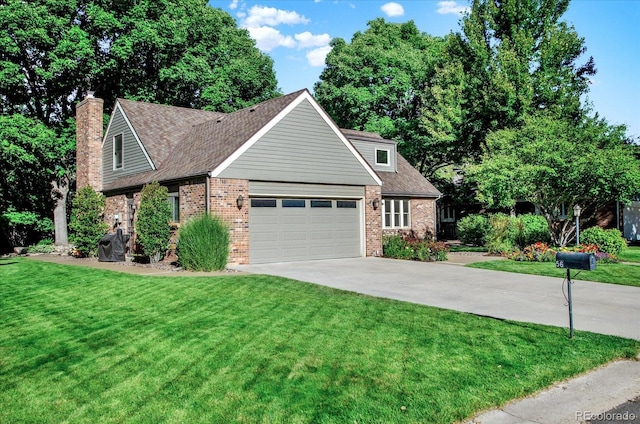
x: 532, y: 229
x: 153, y: 225
x: 23, y: 227
x: 87, y: 224
x: 203, y: 244
x: 503, y: 237
x: 43, y: 246
x: 608, y: 241
x: 395, y: 247
x: 473, y: 229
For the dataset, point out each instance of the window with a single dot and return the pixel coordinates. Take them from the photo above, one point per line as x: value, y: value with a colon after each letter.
x: 117, y: 151
x: 448, y: 214
x: 395, y: 213
x: 346, y: 204
x: 263, y: 203
x: 174, y: 202
x: 382, y: 157
x: 321, y: 204
x: 293, y: 203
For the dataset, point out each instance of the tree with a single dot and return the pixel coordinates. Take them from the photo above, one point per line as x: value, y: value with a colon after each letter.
x: 182, y: 53
x: 376, y: 83
x: 87, y: 223
x: 519, y: 58
x: 556, y: 164
x: 27, y: 152
x: 153, y: 225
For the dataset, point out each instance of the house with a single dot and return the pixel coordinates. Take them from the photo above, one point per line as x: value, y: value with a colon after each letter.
x: 290, y: 184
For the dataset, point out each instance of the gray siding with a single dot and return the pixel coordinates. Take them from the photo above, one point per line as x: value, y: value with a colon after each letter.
x: 300, y: 148
x: 133, y: 158
x: 368, y: 150
x: 259, y: 188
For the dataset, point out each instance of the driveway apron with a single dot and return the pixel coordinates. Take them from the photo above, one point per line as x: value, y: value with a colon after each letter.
x: 601, y: 308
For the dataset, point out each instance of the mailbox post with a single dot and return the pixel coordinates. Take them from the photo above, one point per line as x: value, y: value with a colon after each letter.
x: 580, y: 261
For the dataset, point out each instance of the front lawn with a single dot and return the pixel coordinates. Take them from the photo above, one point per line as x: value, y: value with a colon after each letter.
x: 627, y: 275
x: 85, y: 345
x: 631, y: 254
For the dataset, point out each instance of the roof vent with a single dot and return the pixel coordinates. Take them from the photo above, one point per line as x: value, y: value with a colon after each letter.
x: 253, y: 109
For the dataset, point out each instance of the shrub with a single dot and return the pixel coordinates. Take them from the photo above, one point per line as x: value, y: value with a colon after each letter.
x: 153, y: 225
x: 24, y: 227
x: 87, y: 224
x: 504, y: 233
x: 608, y: 241
x: 395, y: 247
x: 203, y: 244
x: 43, y: 246
x: 408, y: 247
x: 532, y: 229
x: 473, y: 229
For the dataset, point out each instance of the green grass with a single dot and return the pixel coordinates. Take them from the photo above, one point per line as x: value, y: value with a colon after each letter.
x: 459, y: 248
x: 631, y: 254
x: 627, y: 275
x: 86, y: 345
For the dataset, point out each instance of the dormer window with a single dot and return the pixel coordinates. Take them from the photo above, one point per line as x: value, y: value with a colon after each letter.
x: 382, y: 157
x: 117, y: 151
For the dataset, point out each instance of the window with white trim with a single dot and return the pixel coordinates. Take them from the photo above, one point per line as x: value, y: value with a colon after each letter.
x: 382, y: 156
x: 117, y: 152
x: 396, y: 213
x: 174, y: 203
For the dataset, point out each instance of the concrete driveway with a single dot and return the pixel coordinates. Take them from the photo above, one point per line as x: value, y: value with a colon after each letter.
x: 601, y: 308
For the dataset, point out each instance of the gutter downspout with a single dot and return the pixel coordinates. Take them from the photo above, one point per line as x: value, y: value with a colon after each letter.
x: 207, y: 194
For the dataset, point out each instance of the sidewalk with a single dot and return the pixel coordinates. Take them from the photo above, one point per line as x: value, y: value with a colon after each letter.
x: 579, y: 400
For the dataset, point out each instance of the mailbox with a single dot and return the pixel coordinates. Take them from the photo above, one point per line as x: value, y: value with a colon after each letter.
x: 584, y: 261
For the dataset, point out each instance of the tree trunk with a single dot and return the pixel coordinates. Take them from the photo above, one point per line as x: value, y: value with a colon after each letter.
x: 59, y: 193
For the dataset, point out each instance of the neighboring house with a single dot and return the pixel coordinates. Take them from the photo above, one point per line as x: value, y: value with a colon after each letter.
x: 289, y: 183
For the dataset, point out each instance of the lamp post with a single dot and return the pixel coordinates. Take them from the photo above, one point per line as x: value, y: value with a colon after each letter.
x: 576, y: 213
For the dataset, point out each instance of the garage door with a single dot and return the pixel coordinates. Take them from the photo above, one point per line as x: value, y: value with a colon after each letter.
x: 297, y: 229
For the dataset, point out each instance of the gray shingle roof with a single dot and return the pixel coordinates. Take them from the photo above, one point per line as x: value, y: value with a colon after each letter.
x: 406, y: 181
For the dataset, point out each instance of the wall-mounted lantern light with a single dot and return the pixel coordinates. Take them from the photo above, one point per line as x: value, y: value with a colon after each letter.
x: 240, y: 201
x: 376, y: 203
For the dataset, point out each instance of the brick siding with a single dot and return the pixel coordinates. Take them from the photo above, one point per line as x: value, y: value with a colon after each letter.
x: 373, y: 222
x: 423, y: 219
x: 223, y: 194
x: 89, y: 143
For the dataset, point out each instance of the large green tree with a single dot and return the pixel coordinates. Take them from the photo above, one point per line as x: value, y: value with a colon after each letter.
x: 519, y: 58
x: 183, y: 53
x: 376, y: 83
x: 555, y: 164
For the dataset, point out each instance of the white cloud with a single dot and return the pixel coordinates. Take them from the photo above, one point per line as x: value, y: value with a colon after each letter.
x: 306, y: 40
x: 392, y: 9
x: 268, y: 38
x: 446, y: 7
x: 316, y: 57
x: 234, y: 4
x: 260, y: 15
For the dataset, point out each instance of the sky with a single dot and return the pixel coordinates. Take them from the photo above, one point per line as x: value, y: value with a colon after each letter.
x: 296, y: 34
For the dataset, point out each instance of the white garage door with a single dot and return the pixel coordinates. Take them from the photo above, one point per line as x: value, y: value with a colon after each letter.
x: 297, y: 229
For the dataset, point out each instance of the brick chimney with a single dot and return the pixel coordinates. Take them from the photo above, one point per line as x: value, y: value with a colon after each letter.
x: 89, y: 143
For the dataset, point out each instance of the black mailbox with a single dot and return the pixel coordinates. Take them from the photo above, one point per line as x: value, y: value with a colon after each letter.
x: 584, y: 261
